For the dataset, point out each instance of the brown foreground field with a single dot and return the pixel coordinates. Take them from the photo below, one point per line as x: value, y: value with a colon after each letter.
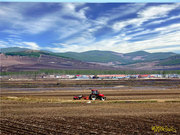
x: 127, y: 111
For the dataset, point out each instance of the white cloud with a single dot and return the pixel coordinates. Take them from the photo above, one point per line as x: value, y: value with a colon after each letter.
x: 84, y: 38
x: 168, y: 49
x: 167, y: 29
x: 15, y: 42
x: 31, y: 45
x: 9, y: 12
x: 157, y: 11
x: 10, y: 43
x: 157, y: 31
x: 116, y: 13
x: 160, y: 41
x: 75, y: 22
x: 19, y: 22
x: 87, y: 26
x: 69, y: 9
x: 145, y: 15
x: 3, y: 44
x: 75, y: 31
x: 70, y: 28
x: 164, y: 20
x: 120, y: 44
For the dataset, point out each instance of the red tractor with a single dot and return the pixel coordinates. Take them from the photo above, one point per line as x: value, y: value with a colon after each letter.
x: 93, y: 96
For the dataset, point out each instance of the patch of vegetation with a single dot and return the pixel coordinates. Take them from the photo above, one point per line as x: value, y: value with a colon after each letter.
x: 29, y: 54
x: 175, y: 101
x: 138, y: 53
x: 89, y: 72
x: 34, y: 54
x: 170, y: 63
x: 174, y: 60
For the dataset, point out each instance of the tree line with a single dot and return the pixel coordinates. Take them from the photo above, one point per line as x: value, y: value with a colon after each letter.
x: 89, y: 72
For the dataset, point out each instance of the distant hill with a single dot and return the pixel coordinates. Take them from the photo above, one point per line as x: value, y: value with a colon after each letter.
x: 30, y: 53
x: 15, y: 58
x: 95, y: 56
x: 34, y: 63
x: 117, y: 58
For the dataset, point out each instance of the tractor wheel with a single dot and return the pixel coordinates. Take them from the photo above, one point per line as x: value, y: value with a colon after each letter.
x: 93, y: 97
x: 103, y: 98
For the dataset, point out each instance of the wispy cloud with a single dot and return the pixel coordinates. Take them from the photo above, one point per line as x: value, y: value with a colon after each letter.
x: 145, y: 15
x: 69, y: 9
x: 157, y: 11
x: 15, y: 16
x: 159, y: 21
x: 167, y: 29
x: 31, y: 45
x: 121, y: 44
x: 18, y: 43
x: 3, y: 44
x: 79, y: 27
x: 168, y: 49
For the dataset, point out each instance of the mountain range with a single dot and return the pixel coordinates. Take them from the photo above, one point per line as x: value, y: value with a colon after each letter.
x: 15, y: 58
x: 117, y: 58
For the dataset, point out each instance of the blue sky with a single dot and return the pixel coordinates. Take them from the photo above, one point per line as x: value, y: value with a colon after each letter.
x: 79, y: 27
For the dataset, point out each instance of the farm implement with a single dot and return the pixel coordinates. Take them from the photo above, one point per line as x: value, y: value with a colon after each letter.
x: 95, y: 94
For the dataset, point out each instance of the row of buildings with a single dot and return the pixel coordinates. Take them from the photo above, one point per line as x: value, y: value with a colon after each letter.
x: 113, y: 76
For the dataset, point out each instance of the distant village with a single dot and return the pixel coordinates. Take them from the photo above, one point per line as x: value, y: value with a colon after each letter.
x: 93, y: 77
x: 113, y: 76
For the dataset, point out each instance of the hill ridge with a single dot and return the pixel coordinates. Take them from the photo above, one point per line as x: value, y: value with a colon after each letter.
x: 140, y: 60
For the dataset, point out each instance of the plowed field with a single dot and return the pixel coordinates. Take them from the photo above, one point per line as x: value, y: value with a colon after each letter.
x: 127, y: 111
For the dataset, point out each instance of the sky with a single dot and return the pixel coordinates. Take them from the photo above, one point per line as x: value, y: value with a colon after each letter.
x: 79, y: 27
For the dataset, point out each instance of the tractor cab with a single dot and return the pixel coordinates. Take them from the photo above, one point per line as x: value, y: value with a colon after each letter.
x: 94, y: 92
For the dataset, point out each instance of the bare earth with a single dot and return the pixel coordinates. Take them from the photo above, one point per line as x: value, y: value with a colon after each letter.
x: 127, y: 111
